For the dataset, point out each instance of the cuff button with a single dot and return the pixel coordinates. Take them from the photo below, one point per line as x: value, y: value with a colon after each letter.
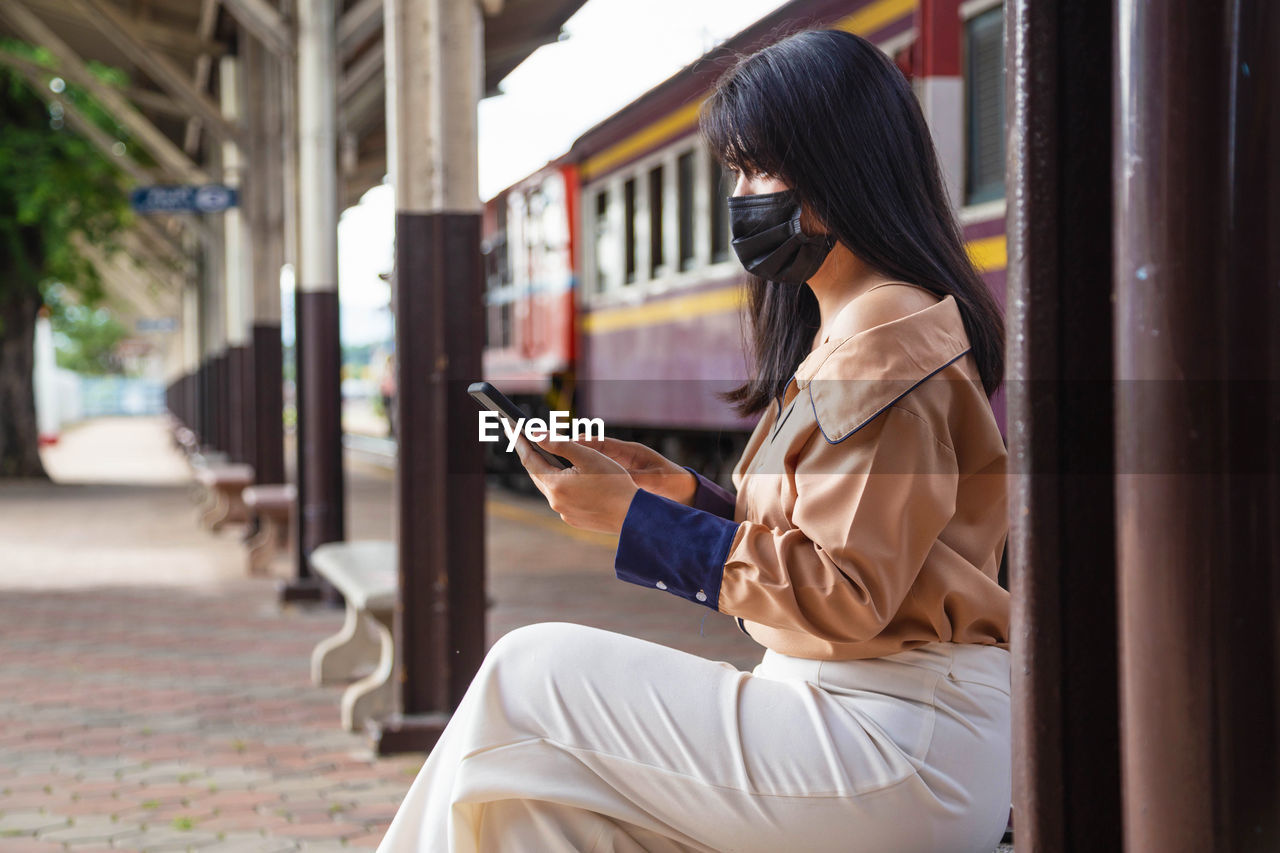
x: 661, y: 585
x: 701, y: 596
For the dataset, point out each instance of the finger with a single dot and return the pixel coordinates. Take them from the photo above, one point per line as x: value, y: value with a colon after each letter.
x: 581, y: 457
x: 611, y: 447
x: 533, y: 463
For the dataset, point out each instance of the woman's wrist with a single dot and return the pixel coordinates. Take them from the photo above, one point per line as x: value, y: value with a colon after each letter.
x: 680, y: 485
x: 687, y: 489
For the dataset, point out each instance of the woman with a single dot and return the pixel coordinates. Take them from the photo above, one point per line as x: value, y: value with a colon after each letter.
x: 861, y: 548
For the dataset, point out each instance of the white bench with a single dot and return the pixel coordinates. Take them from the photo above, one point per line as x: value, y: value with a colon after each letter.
x: 365, y: 573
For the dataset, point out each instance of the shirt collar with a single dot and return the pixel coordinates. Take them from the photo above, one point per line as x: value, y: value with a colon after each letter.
x: 877, y: 366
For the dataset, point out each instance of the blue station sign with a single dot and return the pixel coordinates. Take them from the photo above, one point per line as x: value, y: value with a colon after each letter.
x: 208, y: 198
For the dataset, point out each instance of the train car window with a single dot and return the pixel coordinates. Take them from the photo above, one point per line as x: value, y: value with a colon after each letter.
x: 494, y: 251
x: 602, y: 265
x: 656, y: 256
x: 685, y: 178
x: 984, y: 106
x: 722, y: 182
x: 504, y: 324
x: 629, y: 228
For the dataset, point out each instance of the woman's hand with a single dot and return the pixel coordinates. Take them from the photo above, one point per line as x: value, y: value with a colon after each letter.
x: 650, y: 470
x: 594, y: 494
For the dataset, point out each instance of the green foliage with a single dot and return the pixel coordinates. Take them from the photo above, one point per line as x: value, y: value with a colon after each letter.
x: 84, y: 336
x: 54, y: 184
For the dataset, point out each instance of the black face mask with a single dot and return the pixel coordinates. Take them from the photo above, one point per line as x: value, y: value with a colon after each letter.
x: 768, y: 240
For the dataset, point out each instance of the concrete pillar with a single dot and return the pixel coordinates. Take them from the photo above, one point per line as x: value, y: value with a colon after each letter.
x: 265, y: 204
x: 190, y: 351
x: 192, y: 336
x: 236, y: 249
x: 214, y: 314
x: 434, y: 64
x: 321, y: 482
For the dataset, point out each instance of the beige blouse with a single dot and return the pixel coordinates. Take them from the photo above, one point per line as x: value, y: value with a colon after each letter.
x: 872, y: 500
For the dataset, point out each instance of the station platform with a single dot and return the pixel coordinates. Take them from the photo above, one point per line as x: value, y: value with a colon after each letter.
x: 153, y: 697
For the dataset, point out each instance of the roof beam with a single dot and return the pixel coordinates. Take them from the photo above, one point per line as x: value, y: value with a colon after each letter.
x: 164, y: 36
x: 38, y: 76
x: 363, y: 107
x: 128, y: 283
x: 158, y: 67
x: 157, y: 101
x: 265, y: 23
x: 162, y: 246
x: 204, y: 66
x: 165, y: 152
x: 160, y: 269
x: 360, y: 21
x: 370, y: 65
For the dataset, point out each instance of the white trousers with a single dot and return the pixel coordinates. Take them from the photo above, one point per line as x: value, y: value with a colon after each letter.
x: 576, y: 739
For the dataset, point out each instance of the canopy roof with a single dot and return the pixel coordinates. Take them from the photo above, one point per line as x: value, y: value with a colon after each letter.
x: 169, y: 50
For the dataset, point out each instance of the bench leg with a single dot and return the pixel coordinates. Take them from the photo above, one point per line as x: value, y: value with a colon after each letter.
x: 215, y: 511
x: 341, y: 657
x: 205, y: 497
x: 233, y: 509
x: 371, y: 696
x: 263, y: 545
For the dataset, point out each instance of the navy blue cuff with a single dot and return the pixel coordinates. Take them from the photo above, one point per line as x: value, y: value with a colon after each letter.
x: 712, y: 497
x: 681, y: 549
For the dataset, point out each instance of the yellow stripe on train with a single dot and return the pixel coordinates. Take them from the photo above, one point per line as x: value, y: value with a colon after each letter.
x: 665, y: 311
x: 873, y: 16
x: 869, y: 18
x: 988, y: 254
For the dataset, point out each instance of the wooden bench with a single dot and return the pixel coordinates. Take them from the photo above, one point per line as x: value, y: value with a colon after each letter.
x: 225, y: 485
x: 273, y: 506
x: 365, y: 573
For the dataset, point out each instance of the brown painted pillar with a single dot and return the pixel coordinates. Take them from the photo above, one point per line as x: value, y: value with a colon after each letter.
x: 434, y: 61
x: 237, y: 248
x: 1197, y: 158
x: 1062, y: 531
x: 264, y: 196
x: 321, y: 481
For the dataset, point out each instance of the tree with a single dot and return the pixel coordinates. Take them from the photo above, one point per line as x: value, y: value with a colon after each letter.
x: 54, y: 186
x: 86, y: 338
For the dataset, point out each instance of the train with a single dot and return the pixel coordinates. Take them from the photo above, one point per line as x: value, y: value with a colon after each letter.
x: 611, y: 289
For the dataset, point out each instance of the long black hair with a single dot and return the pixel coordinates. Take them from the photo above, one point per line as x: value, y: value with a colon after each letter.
x: 830, y: 115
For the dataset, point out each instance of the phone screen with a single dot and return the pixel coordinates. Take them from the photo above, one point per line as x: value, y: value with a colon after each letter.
x: 495, y: 401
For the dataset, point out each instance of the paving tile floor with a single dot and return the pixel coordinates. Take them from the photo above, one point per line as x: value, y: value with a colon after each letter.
x: 154, y: 698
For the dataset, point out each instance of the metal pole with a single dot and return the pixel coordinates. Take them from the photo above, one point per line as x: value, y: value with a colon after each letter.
x: 1198, y: 359
x: 1062, y: 529
x: 434, y: 83
x: 321, y: 496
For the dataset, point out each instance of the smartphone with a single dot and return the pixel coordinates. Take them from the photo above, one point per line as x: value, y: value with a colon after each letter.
x: 495, y: 401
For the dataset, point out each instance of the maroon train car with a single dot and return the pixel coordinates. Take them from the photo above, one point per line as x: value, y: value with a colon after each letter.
x: 656, y: 288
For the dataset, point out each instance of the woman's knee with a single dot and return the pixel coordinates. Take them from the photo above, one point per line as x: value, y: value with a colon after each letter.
x: 538, y: 639
x: 535, y: 653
